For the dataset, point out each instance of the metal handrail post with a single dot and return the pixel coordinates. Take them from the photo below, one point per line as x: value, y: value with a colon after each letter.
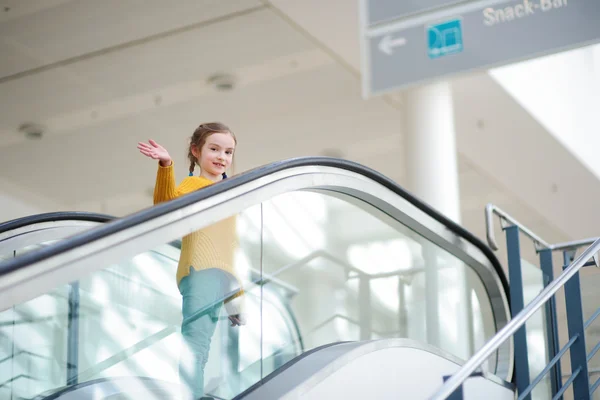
x: 553, y: 344
x: 575, y: 324
x: 517, y: 303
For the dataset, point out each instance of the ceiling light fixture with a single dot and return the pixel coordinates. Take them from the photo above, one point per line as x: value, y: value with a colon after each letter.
x: 222, y: 82
x: 32, y: 130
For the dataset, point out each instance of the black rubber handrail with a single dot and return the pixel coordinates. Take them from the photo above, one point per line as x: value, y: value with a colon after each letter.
x: 53, y: 217
x: 158, y: 210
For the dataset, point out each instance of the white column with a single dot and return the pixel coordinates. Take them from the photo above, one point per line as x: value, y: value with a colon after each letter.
x: 430, y: 144
x: 432, y: 172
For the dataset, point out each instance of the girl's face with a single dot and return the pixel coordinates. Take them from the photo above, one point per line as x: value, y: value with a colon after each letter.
x: 216, y: 155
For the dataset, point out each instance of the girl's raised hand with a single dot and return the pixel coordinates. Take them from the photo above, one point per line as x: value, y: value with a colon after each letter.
x: 155, y: 151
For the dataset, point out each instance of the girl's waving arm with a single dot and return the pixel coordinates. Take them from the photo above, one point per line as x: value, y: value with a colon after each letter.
x: 165, y: 188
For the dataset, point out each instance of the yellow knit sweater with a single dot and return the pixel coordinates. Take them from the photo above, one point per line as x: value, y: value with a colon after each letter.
x: 210, y: 247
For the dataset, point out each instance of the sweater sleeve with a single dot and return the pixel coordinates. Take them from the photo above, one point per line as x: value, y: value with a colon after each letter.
x: 166, y: 189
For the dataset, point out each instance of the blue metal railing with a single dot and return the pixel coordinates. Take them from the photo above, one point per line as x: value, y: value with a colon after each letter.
x: 570, y: 282
x: 575, y: 323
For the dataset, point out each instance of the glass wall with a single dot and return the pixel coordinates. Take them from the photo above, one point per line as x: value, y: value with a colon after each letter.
x: 362, y: 275
x: 33, y: 349
x: 315, y: 267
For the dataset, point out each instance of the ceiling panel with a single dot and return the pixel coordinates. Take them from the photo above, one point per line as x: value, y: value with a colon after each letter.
x: 32, y: 35
x: 13, y: 9
x: 335, y: 26
x: 166, y: 70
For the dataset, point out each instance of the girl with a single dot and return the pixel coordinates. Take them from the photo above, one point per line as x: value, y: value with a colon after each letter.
x: 205, y: 274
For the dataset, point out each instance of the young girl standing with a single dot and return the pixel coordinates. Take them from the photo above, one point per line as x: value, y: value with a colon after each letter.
x: 205, y: 274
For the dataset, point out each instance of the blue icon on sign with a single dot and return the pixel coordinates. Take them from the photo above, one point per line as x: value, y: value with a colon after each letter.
x: 445, y: 38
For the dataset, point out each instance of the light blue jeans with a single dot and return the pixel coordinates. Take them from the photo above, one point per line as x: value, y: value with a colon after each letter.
x: 203, y: 293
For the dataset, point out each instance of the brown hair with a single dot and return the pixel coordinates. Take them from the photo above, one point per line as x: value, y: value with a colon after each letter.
x: 199, y: 138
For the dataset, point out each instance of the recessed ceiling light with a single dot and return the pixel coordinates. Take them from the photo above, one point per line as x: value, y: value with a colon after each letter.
x: 32, y: 130
x: 222, y: 82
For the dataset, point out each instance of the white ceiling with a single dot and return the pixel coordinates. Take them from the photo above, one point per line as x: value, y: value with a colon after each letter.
x: 101, y: 76
x: 50, y: 32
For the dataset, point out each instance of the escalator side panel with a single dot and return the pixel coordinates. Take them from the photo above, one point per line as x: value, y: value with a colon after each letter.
x: 382, y: 369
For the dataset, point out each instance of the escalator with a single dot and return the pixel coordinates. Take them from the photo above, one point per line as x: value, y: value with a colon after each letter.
x: 338, y: 264
x: 27, y: 234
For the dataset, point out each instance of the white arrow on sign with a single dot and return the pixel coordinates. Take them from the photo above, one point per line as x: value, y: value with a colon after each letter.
x: 387, y: 44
